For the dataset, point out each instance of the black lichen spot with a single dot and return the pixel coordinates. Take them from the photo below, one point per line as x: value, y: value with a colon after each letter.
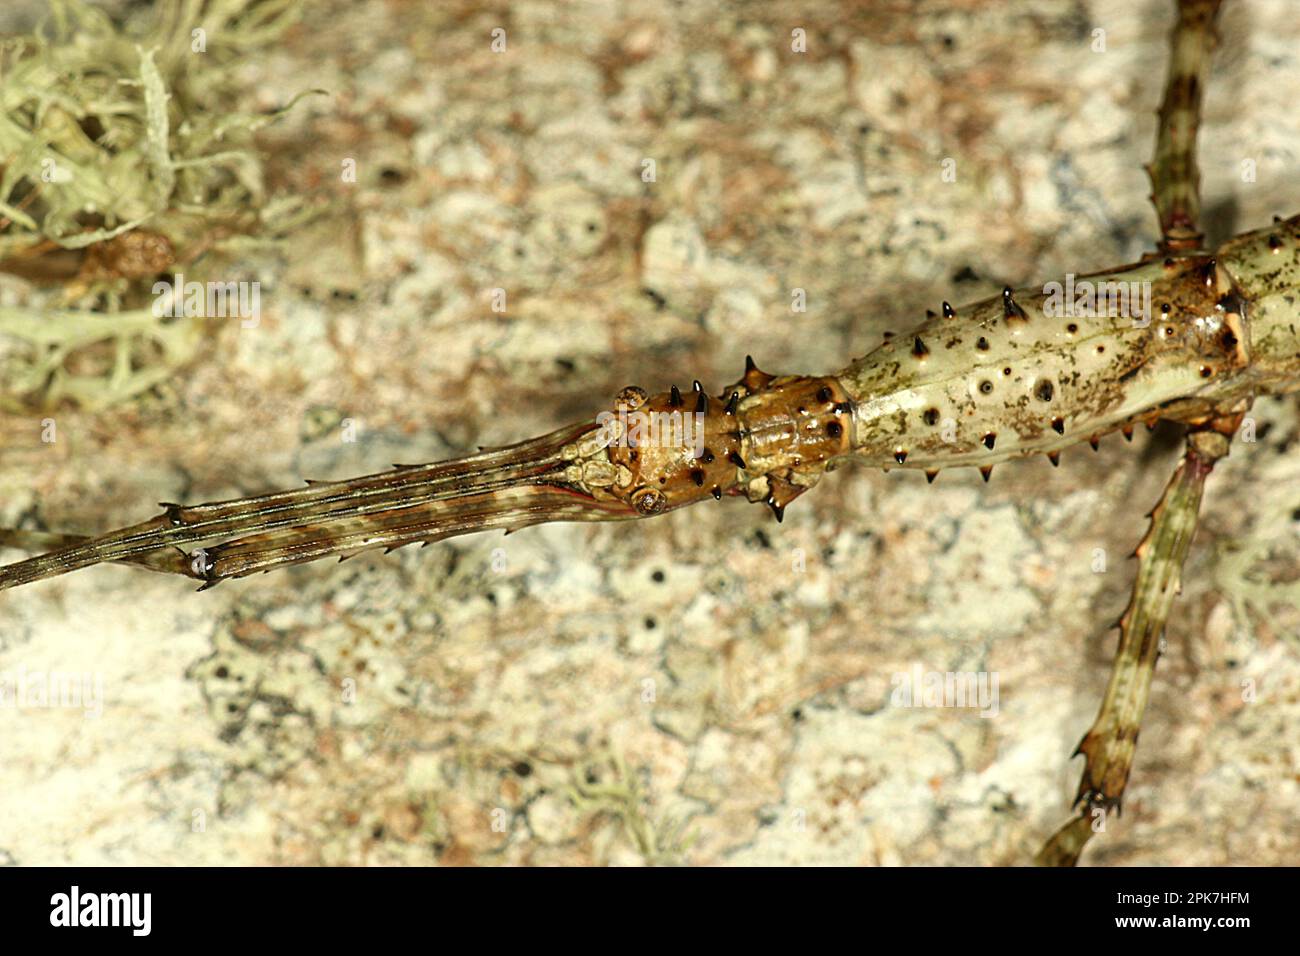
x: 1072, y: 328
x: 657, y: 577
x: 982, y: 344
x: 930, y: 416
x: 1044, y: 391
x: 523, y: 768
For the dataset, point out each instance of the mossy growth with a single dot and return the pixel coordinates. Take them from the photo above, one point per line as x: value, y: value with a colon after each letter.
x: 121, y: 161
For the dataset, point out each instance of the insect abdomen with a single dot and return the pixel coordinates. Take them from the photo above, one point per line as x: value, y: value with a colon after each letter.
x: 1033, y: 372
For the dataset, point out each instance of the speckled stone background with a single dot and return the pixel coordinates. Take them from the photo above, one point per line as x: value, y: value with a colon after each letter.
x: 708, y: 687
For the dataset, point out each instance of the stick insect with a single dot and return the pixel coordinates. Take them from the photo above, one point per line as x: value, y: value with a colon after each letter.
x: 972, y: 386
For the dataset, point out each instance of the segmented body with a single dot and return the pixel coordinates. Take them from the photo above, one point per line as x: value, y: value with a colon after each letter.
x: 1012, y: 376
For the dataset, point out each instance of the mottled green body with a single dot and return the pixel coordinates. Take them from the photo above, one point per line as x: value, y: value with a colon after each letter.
x: 1020, y: 375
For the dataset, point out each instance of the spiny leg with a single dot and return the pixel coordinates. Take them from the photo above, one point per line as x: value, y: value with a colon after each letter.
x: 1175, y: 177
x: 1110, y: 744
x: 164, y: 560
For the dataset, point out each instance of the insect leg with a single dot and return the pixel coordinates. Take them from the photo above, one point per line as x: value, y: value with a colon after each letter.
x: 1110, y: 744
x: 1175, y: 177
x: 164, y: 560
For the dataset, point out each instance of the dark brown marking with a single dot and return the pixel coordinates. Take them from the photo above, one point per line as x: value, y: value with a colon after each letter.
x: 1010, y: 308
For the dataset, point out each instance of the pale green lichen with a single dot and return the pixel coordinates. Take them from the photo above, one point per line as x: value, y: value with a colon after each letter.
x: 659, y: 841
x: 106, y: 127
x: 43, y: 368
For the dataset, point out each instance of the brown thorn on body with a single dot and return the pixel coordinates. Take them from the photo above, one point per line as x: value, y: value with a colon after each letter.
x: 1009, y: 307
x: 1127, y: 432
x: 731, y: 403
x: 1054, y: 457
x: 735, y: 459
x: 1095, y: 442
x: 930, y: 475
x: 985, y: 472
x: 918, y: 349
x: 989, y: 439
x: 1058, y: 425
x: 900, y: 455
x: 948, y: 311
x: 701, y: 402
x: 755, y: 379
x: 675, y: 397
